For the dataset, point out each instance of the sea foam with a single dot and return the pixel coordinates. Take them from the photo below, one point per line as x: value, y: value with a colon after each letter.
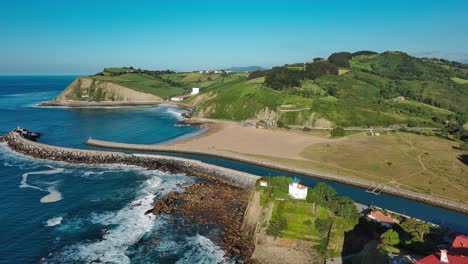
x: 54, y: 195
x: 54, y: 221
x: 128, y: 224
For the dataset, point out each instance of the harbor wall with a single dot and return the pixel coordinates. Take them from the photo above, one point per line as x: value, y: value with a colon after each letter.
x: 156, y: 162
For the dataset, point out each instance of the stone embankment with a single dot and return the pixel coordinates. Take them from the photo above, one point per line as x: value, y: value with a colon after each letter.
x: 419, y: 197
x: 156, y: 162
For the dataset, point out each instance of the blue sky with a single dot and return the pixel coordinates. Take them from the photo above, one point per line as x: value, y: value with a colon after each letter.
x: 82, y: 37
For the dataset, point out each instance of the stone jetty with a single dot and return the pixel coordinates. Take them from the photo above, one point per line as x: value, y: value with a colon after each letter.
x: 156, y: 162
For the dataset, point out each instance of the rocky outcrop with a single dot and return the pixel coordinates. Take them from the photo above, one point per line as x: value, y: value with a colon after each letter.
x: 89, y: 89
x: 216, y: 210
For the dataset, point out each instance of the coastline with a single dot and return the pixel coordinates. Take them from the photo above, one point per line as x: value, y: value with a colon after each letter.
x: 174, y: 147
x: 84, y: 104
x: 199, y: 202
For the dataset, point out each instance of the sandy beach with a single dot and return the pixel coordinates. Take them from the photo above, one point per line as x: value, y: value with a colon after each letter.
x: 246, y: 140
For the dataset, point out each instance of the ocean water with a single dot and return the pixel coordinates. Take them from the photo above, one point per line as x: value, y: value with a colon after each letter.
x: 54, y: 212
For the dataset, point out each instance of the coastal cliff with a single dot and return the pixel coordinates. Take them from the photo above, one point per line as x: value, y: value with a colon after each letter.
x: 85, y: 89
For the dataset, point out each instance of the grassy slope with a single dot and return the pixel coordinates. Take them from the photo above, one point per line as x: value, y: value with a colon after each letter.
x: 358, y: 100
x: 144, y: 83
x: 164, y: 85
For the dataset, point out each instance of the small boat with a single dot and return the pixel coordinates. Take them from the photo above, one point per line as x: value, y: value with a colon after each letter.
x: 26, y: 133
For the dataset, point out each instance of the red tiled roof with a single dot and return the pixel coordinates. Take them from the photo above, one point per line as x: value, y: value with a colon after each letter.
x: 458, y: 254
x: 460, y: 241
x: 435, y: 259
x: 384, y: 218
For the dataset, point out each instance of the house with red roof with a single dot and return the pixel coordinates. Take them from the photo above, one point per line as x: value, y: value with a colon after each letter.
x: 457, y: 254
x: 383, y: 219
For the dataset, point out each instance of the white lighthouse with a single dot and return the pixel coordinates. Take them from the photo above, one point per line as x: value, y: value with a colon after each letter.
x: 297, y: 191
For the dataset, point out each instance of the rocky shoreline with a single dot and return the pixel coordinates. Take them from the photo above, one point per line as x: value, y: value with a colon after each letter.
x: 216, y: 209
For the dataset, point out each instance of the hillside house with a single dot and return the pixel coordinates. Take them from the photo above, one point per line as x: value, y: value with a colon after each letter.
x: 297, y: 191
x: 195, y: 90
x: 263, y: 183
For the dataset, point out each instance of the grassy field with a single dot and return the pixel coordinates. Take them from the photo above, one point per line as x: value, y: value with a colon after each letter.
x: 298, y: 214
x: 144, y: 83
x: 459, y: 80
x: 418, y: 163
x: 164, y: 85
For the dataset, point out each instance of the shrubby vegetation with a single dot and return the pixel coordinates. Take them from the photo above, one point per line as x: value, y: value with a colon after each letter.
x: 338, y: 132
x: 341, y: 206
x: 340, y: 59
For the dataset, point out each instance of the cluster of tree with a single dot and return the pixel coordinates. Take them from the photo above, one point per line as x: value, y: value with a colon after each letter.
x: 340, y: 59
x: 341, y: 206
x: 411, y: 235
x: 319, y: 68
x: 283, y: 77
x: 388, y: 241
x: 257, y: 74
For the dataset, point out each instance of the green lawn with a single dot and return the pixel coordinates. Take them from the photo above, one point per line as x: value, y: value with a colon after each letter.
x: 300, y: 218
x: 459, y: 80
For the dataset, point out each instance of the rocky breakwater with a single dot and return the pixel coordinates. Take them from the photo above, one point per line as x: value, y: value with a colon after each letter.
x: 214, y: 205
x: 156, y: 162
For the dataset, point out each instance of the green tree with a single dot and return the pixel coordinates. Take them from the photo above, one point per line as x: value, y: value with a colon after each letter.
x: 390, y: 238
x: 340, y: 59
x: 388, y: 241
x: 319, y: 68
x: 416, y: 228
x: 282, y: 183
x: 325, y: 193
x: 282, y: 77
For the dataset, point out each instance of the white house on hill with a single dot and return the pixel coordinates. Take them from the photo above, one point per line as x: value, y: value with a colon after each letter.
x: 195, y: 90
x: 297, y: 191
x: 263, y: 183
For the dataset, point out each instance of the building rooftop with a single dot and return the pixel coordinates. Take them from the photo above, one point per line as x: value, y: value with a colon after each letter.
x: 457, y: 254
x: 381, y: 217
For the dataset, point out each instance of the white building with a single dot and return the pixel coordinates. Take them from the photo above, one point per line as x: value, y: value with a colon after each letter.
x: 195, y: 90
x: 263, y: 183
x: 297, y: 191
x: 180, y: 98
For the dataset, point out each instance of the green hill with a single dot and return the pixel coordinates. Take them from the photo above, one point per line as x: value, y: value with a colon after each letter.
x: 111, y: 83
x: 391, y: 88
